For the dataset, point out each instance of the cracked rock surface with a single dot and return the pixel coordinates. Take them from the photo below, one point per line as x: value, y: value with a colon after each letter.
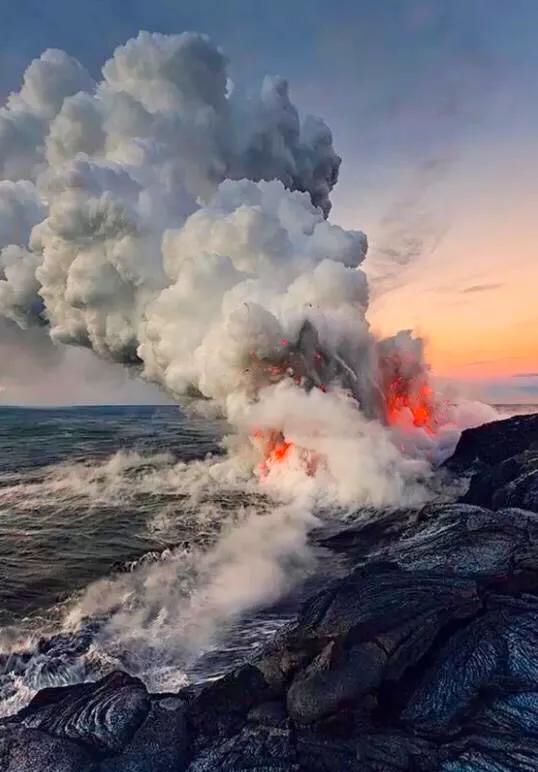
x: 421, y: 657
x: 503, y: 457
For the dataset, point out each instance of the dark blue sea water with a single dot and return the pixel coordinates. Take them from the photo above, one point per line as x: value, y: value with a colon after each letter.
x: 62, y: 521
x: 124, y: 545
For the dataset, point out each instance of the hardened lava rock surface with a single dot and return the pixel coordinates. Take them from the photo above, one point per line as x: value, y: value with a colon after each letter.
x: 421, y: 657
x: 503, y: 459
x: 494, y: 442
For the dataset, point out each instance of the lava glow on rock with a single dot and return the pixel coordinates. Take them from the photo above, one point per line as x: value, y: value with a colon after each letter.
x: 404, y: 400
x: 273, y: 447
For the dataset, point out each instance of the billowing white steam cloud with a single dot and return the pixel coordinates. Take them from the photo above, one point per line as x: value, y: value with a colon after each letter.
x: 172, y: 224
x: 113, y: 171
x: 108, y: 168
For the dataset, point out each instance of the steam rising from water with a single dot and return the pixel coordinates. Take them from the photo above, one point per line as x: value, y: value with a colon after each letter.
x: 156, y: 619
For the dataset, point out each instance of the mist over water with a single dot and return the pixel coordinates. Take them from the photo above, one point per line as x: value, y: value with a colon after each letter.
x: 126, y: 541
x: 76, y: 495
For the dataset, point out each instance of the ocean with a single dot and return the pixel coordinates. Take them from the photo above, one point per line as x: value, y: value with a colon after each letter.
x: 66, y: 518
x: 109, y: 521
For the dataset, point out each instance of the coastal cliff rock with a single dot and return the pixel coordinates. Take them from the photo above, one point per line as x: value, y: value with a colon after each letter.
x: 503, y: 457
x: 494, y: 442
x: 422, y: 657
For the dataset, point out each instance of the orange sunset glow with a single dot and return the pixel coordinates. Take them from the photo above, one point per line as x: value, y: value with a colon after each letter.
x: 473, y: 297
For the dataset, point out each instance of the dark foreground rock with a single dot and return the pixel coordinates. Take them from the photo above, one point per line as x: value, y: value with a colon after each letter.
x: 423, y: 657
x: 503, y: 457
x: 495, y: 442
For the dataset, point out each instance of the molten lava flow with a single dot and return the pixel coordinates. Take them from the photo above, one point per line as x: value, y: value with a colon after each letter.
x: 275, y: 449
x: 405, y: 398
x: 280, y: 450
x: 273, y: 446
x: 397, y: 392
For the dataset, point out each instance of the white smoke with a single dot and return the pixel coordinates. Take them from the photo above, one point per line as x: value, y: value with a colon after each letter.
x: 26, y: 119
x: 258, y: 260
x: 111, y: 167
x: 176, y: 607
x: 170, y: 223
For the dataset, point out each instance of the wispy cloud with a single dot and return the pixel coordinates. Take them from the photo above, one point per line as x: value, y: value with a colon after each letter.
x: 481, y: 288
x: 410, y: 228
x: 525, y: 375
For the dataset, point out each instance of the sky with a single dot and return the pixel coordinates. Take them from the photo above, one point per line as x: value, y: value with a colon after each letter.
x: 433, y: 108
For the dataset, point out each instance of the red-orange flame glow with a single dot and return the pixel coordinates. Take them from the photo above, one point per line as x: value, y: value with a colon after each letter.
x: 274, y: 448
x: 280, y: 451
x: 405, y: 398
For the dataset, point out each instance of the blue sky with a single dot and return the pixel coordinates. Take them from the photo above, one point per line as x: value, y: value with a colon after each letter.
x: 433, y: 108
x: 392, y: 76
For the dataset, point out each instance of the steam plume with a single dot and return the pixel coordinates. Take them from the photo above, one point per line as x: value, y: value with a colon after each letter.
x: 174, y: 225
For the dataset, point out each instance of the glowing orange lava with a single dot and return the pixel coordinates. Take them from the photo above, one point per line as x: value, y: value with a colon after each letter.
x: 403, y: 398
x: 280, y: 450
x: 273, y: 446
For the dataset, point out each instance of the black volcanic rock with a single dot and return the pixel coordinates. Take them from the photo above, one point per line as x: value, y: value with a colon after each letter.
x: 367, y: 630
x: 101, y: 716
x: 420, y: 659
x: 481, y: 665
x: 222, y: 707
x: 503, y: 457
x: 454, y: 538
x: 162, y: 744
x: 495, y: 442
x: 511, y: 483
x: 29, y: 750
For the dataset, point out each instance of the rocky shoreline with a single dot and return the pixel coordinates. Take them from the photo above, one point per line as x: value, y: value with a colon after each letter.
x: 422, y: 657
